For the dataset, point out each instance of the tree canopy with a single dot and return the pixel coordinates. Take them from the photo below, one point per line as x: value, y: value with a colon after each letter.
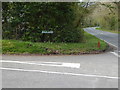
x: 105, y: 15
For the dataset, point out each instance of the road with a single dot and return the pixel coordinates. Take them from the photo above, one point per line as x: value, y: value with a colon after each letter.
x: 110, y: 38
x: 67, y: 71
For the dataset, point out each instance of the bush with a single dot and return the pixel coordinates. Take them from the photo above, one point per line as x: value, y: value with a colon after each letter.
x: 26, y: 21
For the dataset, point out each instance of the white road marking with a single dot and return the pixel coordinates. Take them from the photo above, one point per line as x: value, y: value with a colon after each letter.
x: 105, y: 40
x: 115, y: 54
x: 61, y: 73
x: 56, y: 64
x: 109, y: 43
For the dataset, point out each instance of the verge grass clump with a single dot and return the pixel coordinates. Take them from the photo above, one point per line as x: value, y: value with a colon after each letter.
x: 88, y: 45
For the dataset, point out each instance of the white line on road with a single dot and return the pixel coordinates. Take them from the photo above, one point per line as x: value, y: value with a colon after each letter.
x: 61, y: 73
x: 109, y: 43
x: 105, y: 40
x: 101, y: 33
x: 115, y: 54
x: 56, y: 64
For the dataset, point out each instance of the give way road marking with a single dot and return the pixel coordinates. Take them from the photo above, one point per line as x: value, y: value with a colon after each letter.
x: 56, y: 64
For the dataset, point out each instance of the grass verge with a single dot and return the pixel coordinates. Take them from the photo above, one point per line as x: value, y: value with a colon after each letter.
x: 21, y: 47
x: 112, y: 31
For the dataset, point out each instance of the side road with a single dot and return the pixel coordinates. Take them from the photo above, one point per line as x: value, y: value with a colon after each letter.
x: 110, y: 38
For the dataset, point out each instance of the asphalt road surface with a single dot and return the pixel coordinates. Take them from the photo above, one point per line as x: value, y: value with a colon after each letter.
x: 68, y: 71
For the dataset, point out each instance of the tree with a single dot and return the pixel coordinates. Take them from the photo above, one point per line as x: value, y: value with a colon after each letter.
x: 105, y: 15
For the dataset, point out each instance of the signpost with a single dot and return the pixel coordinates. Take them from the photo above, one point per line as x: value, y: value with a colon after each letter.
x: 47, y: 32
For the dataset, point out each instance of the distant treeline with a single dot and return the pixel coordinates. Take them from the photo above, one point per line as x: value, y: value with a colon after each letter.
x: 105, y: 15
x: 26, y: 21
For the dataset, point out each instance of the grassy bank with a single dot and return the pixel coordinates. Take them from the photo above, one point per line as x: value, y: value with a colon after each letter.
x: 112, y: 31
x: 22, y: 47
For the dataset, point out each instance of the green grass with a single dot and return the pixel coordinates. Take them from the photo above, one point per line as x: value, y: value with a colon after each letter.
x: 22, y: 47
x: 112, y: 31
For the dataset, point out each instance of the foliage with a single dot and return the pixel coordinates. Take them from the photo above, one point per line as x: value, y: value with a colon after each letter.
x: 104, y: 15
x: 26, y: 20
